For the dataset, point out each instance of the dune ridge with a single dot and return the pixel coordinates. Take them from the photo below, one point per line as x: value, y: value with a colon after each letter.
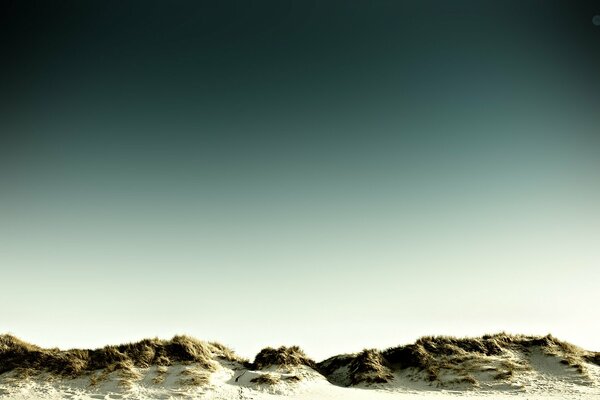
x: 185, y: 366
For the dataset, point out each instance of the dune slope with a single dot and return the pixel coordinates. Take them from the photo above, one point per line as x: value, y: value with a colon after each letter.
x: 432, y: 367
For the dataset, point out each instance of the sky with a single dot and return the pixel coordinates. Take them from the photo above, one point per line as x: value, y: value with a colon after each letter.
x: 335, y: 175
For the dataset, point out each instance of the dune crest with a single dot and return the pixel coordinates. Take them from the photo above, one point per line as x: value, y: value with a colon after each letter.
x: 499, y: 365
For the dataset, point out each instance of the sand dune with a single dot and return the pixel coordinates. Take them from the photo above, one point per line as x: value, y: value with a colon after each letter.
x: 493, y: 366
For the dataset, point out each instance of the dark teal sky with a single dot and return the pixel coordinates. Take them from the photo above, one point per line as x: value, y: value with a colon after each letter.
x: 332, y: 174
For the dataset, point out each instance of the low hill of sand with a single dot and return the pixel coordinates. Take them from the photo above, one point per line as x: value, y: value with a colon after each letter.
x: 499, y: 366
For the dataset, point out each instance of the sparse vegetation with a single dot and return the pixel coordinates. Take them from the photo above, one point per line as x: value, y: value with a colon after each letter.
x: 293, y: 378
x: 369, y: 366
x: 593, y: 358
x: 441, y: 360
x: 161, y: 374
x: 265, y: 379
x: 502, y: 375
x: 17, y: 354
x: 437, y: 356
x: 195, y: 376
x: 467, y: 379
x: 282, y: 357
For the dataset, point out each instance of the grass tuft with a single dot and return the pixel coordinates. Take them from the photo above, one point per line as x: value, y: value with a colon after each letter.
x: 195, y: 377
x: 265, y: 379
x: 282, y: 357
x: 369, y: 366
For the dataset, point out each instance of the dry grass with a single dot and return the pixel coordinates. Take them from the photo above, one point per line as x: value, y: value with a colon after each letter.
x: 226, y: 353
x: 503, y: 375
x: 96, y: 378
x: 293, y: 378
x: 282, y: 357
x: 330, y: 365
x: 127, y: 373
x: 435, y: 356
x: 265, y: 379
x: 592, y: 357
x: 466, y: 379
x: 161, y: 374
x: 195, y: 377
x: 17, y: 354
x: 369, y: 366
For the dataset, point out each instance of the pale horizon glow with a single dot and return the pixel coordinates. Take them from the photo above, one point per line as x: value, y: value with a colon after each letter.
x: 329, y: 175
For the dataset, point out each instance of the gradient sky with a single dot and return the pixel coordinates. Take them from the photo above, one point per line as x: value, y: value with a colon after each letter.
x: 336, y: 175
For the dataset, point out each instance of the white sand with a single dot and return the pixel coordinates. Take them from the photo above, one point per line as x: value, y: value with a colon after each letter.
x: 547, y: 379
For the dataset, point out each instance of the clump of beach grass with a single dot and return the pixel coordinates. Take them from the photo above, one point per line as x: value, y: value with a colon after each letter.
x: 265, y: 379
x: 282, y: 357
x: 369, y: 366
x: 161, y: 374
x: 195, y: 376
x: 293, y: 378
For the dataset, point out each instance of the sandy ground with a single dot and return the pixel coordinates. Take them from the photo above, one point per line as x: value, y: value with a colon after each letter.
x: 547, y: 381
